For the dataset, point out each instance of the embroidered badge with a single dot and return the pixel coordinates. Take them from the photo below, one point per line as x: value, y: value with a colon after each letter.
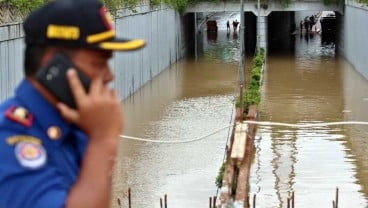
x: 20, y: 115
x: 106, y: 18
x: 30, y: 155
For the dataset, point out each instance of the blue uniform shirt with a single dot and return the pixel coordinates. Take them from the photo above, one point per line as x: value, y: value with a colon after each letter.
x: 40, y: 153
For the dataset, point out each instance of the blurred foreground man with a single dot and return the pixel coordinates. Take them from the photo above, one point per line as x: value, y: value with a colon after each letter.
x: 55, y: 154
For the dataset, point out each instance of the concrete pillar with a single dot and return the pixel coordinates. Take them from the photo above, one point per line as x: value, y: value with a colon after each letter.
x: 262, y: 32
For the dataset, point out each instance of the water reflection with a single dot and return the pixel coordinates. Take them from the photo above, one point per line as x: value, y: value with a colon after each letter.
x: 192, y: 98
x: 187, y: 101
x: 356, y: 100
x: 225, y: 49
x: 222, y: 46
x: 306, y: 87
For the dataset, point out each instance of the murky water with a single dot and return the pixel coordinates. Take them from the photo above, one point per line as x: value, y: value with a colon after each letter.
x: 190, y: 100
x: 194, y: 97
x: 310, y: 87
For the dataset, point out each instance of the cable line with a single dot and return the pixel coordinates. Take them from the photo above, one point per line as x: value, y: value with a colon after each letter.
x: 261, y: 123
x: 267, y: 123
x: 175, y: 141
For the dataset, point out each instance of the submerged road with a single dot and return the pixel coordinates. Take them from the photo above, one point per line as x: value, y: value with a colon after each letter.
x: 194, y: 97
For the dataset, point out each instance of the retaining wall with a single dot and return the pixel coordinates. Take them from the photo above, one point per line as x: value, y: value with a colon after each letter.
x: 353, y: 36
x: 161, y: 27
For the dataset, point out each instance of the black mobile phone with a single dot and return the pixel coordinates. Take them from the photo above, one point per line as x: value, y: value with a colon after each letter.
x: 53, y: 77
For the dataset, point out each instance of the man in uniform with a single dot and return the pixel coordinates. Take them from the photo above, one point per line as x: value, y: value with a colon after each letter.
x: 54, y: 155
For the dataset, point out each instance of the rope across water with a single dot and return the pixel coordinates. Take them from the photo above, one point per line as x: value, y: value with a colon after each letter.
x: 261, y: 123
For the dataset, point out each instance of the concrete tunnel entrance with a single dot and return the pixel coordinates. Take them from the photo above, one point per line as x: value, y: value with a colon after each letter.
x: 189, y: 32
x: 282, y: 28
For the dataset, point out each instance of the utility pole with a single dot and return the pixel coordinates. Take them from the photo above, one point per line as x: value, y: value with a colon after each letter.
x: 241, y: 64
x: 195, y: 36
x: 258, y: 25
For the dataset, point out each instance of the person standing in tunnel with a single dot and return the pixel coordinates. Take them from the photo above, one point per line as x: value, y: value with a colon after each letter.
x: 301, y: 26
x: 311, y: 22
x: 228, y: 26
x: 235, y: 25
x: 306, y: 24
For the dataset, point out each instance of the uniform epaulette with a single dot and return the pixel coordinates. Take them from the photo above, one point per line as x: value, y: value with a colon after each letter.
x: 19, y: 115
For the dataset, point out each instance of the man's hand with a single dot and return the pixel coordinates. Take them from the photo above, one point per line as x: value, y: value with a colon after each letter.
x: 99, y: 115
x: 99, y: 112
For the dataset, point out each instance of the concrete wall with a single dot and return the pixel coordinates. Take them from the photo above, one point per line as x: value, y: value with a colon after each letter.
x: 161, y: 27
x: 353, y: 36
x: 11, y: 58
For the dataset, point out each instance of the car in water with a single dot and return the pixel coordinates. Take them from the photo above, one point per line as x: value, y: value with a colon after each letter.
x: 328, y: 24
x: 212, y: 26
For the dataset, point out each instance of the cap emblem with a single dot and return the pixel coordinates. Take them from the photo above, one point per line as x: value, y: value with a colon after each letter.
x: 106, y: 18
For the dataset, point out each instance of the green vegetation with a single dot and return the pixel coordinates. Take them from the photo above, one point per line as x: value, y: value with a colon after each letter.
x: 251, y: 95
x: 220, y: 176
x: 114, y: 5
x: 284, y: 3
x: 329, y: 2
x: 25, y: 5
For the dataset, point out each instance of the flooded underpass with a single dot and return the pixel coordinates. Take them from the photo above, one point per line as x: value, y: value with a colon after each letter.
x: 186, y: 102
x: 312, y: 85
x: 195, y: 98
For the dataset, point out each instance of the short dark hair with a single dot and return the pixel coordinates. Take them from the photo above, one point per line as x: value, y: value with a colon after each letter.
x: 32, y: 59
x: 34, y: 54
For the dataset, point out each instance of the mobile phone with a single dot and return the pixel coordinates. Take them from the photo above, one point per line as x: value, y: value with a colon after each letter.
x: 53, y: 77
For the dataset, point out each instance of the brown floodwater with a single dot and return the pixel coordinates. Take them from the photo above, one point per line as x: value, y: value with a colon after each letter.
x: 194, y: 97
x: 311, y: 86
x: 187, y: 101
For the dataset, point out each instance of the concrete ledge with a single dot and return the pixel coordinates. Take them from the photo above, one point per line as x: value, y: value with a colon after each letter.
x: 239, y: 144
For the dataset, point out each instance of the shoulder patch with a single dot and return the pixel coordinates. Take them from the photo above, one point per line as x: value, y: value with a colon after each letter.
x: 30, y: 155
x: 19, y: 115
